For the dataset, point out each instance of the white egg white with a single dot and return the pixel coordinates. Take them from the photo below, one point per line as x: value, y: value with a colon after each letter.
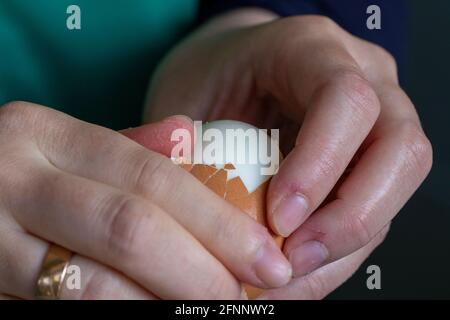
x: 249, y: 171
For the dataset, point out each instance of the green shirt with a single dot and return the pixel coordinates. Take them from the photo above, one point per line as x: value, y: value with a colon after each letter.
x: 98, y: 73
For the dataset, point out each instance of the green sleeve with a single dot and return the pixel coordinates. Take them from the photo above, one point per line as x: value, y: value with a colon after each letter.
x: 98, y: 73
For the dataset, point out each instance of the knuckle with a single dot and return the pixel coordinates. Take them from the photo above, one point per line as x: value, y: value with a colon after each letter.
x: 361, y: 99
x: 13, y: 106
x: 20, y: 116
x: 253, y: 235
x: 319, y: 23
x: 224, y: 228
x: 11, y: 113
x: 417, y: 148
x: 384, y: 60
x: 328, y: 165
x: 154, y: 173
x: 358, y: 229
x: 317, y: 26
x: 126, y: 217
x: 256, y: 238
x: 19, y: 108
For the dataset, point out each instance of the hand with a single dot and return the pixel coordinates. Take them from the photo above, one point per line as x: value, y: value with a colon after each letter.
x: 139, y: 226
x: 360, y: 152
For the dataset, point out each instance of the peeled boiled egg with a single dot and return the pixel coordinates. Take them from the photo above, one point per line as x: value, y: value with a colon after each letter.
x: 230, y: 170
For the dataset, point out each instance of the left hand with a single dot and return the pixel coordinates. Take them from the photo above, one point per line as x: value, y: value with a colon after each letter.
x: 359, y: 155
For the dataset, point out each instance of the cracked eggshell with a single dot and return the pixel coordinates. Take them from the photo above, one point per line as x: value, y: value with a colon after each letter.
x: 243, y: 185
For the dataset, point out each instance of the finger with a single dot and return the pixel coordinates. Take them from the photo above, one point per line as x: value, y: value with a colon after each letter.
x: 321, y: 282
x: 397, y: 160
x: 240, y: 243
x: 22, y: 256
x: 157, y: 136
x: 118, y: 229
x: 6, y: 297
x: 320, y: 84
x: 339, y: 119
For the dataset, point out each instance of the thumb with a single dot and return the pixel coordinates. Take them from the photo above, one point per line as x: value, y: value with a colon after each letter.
x: 157, y: 136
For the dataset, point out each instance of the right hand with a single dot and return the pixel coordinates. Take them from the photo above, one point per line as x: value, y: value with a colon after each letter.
x: 139, y: 226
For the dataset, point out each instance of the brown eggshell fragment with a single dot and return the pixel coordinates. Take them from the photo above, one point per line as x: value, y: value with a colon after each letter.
x: 234, y: 191
x: 229, y: 166
x: 254, y: 205
x: 202, y: 172
x: 218, y: 182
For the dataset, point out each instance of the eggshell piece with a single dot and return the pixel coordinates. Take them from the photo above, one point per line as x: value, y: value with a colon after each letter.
x: 254, y: 205
x: 202, y: 172
x: 241, y: 184
x: 218, y: 182
x: 229, y: 166
x: 235, y: 190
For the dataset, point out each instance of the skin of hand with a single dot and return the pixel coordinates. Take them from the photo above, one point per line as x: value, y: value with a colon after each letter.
x: 140, y: 227
x: 355, y: 149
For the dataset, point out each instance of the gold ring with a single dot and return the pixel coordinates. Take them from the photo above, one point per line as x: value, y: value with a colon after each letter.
x: 53, y: 272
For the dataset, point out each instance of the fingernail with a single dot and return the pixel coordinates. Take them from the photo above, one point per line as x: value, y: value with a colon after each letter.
x: 178, y: 117
x: 307, y: 257
x: 290, y: 213
x: 271, y: 266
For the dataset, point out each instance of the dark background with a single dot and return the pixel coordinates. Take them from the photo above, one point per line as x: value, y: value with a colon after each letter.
x: 415, y: 258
